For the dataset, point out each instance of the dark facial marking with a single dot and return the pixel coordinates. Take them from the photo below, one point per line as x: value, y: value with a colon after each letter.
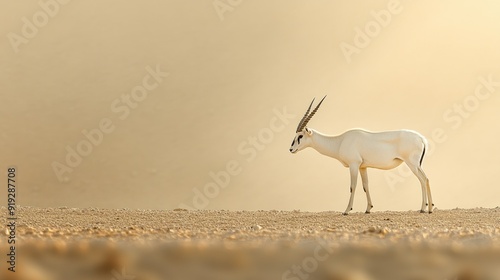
x: 298, y: 139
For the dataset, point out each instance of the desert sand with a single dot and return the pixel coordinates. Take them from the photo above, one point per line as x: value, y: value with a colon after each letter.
x: 70, y: 243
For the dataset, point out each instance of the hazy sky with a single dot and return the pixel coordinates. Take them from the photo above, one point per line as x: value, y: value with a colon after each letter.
x: 180, y: 89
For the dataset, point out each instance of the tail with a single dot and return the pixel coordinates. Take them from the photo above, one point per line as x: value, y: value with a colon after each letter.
x: 422, y: 157
x: 424, y: 141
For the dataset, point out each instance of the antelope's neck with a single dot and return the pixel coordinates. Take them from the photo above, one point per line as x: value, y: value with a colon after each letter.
x: 325, y: 144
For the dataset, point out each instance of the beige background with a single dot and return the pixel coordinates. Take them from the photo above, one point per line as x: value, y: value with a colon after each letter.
x: 226, y: 77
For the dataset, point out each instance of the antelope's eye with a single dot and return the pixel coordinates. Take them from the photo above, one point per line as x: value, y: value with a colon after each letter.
x: 298, y: 139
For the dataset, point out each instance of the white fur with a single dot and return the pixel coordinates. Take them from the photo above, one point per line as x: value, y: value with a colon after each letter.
x: 360, y: 149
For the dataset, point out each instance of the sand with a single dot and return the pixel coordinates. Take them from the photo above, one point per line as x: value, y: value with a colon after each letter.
x: 68, y: 243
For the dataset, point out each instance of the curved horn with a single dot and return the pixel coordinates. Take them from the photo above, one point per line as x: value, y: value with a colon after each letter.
x: 312, y: 114
x: 300, y: 127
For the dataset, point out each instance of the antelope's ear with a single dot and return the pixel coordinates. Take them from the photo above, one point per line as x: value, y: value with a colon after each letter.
x: 309, y: 132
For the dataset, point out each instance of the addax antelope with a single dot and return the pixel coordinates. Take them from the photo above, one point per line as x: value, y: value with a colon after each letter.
x: 359, y: 149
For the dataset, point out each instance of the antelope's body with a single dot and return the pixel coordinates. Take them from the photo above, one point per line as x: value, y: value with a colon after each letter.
x: 360, y: 149
x: 382, y: 150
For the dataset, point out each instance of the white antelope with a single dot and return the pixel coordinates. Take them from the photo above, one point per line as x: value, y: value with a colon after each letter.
x: 359, y: 149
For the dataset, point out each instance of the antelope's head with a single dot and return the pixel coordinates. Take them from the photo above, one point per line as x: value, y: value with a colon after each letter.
x: 303, y: 134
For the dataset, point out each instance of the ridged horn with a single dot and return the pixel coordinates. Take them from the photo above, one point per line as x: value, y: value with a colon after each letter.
x: 300, y: 127
x: 305, y: 120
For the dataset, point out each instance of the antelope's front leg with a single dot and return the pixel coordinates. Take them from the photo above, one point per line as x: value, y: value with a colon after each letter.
x: 353, y: 169
x: 364, y: 179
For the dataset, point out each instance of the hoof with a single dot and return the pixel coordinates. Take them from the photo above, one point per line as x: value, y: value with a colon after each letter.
x: 430, y: 212
x: 422, y: 211
x: 345, y: 213
x: 367, y: 212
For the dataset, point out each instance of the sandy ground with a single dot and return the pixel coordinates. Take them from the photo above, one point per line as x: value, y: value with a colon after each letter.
x: 65, y: 243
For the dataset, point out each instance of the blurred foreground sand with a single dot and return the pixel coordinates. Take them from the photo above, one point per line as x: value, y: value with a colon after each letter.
x: 93, y: 243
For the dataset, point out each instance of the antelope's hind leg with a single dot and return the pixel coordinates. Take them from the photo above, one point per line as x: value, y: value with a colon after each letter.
x: 428, y: 187
x: 415, y: 168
